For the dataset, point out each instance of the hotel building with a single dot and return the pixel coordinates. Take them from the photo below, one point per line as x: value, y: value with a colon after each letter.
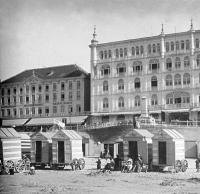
x: 165, y: 69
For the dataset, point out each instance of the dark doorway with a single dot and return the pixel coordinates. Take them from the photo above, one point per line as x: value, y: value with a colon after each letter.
x: 38, y: 157
x: 162, y: 151
x: 83, y: 148
x: 133, y: 149
x: 121, y: 150
x: 61, y: 153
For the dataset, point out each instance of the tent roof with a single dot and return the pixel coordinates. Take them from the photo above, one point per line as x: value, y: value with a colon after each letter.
x: 71, y: 134
x: 139, y: 132
x: 24, y: 136
x: 169, y: 134
x: 6, y: 133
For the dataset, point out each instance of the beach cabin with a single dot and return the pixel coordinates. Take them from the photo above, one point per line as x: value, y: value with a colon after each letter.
x: 138, y: 141
x: 10, y: 145
x: 168, y: 146
x: 25, y: 144
x: 66, y: 145
x: 41, y: 148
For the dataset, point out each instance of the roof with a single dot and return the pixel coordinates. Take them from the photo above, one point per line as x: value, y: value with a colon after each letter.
x: 15, y: 122
x: 69, y: 134
x: 169, y: 134
x: 190, y: 133
x: 56, y: 72
x: 43, y: 135
x: 140, y: 132
x: 7, y: 133
x: 24, y: 136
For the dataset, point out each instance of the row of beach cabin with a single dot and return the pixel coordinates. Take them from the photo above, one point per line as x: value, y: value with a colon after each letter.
x: 62, y: 146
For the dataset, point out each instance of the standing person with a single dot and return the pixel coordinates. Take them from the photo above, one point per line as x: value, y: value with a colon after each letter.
x: 98, y: 164
x: 198, y: 164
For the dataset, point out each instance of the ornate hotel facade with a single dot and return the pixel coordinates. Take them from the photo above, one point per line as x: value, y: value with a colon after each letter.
x: 60, y: 92
x: 165, y: 69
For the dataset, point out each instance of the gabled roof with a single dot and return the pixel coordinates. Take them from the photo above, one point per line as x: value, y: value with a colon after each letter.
x: 168, y: 134
x: 67, y: 134
x: 45, y: 135
x: 139, y: 133
x: 56, y: 72
x: 7, y: 133
x: 24, y: 136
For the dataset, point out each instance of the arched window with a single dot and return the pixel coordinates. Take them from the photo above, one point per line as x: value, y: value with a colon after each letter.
x: 105, y: 70
x: 177, y: 63
x: 149, y: 49
x: 154, y: 48
x: 177, y: 79
x: 169, y: 64
x: 154, y: 81
x: 137, y: 66
x: 158, y: 47
x: 101, y: 54
x: 121, y: 102
x: 121, y: 52
x: 109, y: 54
x: 169, y: 99
x: 133, y: 51
x: 154, y: 65
x: 187, y: 44
x: 197, y: 43
x: 167, y: 46
x: 121, y: 84
x: 154, y: 100
x: 137, y: 50
x: 186, y: 79
x: 186, y: 61
x: 137, y: 101
x: 141, y: 50
x: 177, y: 45
x: 105, y: 54
x: 169, y: 80
x: 198, y: 60
x: 105, y: 86
x: 125, y: 52
x: 121, y: 68
x: 117, y: 53
x: 137, y: 83
x: 105, y: 103
x: 172, y: 46
x: 182, y: 45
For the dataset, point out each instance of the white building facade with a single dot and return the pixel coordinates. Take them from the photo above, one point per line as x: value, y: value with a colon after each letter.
x: 164, y: 68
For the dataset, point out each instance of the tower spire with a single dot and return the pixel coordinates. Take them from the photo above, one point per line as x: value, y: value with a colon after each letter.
x: 191, y: 25
x: 162, y: 30
x: 94, y: 34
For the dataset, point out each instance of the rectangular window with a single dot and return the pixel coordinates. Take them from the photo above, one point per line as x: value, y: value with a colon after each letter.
x: 27, y: 89
x: 21, y: 112
x: 187, y: 44
x: 2, y: 101
x: 182, y: 45
x: 27, y: 111
x: 46, y: 110
x: 8, y: 91
x: 62, y: 86
x: 2, y: 112
x: 70, y: 85
x: 78, y: 85
x: 15, y: 112
x: 62, y: 109
x: 47, y: 98
x: 33, y: 89
x: 47, y: 88
x: 78, y: 108
x: 54, y: 87
x: 40, y: 88
x: 54, y: 109
x: 70, y: 109
x: 33, y: 99
x: 78, y: 95
x: 27, y: 99
x: 2, y: 91
x: 21, y: 99
x: 21, y: 91
x: 62, y: 97
x: 39, y: 98
x: 39, y: 110
x: 33, y: 110
x: 14, y: 91
x: 14, y: 100
x: 70, y: 96
x: 8, y: 100
x: 54, y: 97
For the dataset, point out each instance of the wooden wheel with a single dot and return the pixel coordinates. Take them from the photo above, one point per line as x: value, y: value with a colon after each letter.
x: 81, y: 163
x: 184, y: 165
x: 20, y: 166
x: 9, y: 164
x: 178, y: 166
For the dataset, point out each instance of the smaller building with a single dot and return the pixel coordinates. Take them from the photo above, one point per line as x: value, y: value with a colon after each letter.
x: 10, y: 145
x: 168, y: 146
x: 41, y: 148
x: 66, y: 146
x: 138, y: 141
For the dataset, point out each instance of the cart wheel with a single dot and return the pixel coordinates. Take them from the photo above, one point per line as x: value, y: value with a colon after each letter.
x: 184, y: 165
x: 9, y: 165
x: 178, y: 166
x: 81, y: 163
x: 75, y: 164
x: 20, y: 166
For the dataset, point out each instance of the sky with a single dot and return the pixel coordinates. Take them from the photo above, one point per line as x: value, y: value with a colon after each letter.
x: 44, y: 33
